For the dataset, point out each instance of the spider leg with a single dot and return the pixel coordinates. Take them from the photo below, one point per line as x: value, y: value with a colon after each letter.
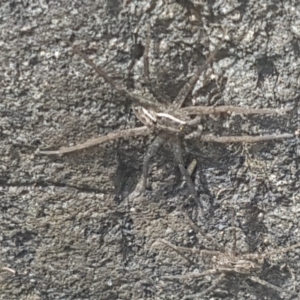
x: 199, y: 230
x: 195, y: 227
x: 180, y: 98
x: 282, y: 250
x: 155, y: 145
x: 238, y: 139
x: 270, y: 285
x: 137, y: 98
x: 160, y: 97
x: 252, y: 256
x: 179, y: 159
x: 234, y: 231
x: 180, y: 249
x: 208, y: 110
x: 193, y: 275
x: 210, y: 288
x: 146, y: 55
x: 144, y: 130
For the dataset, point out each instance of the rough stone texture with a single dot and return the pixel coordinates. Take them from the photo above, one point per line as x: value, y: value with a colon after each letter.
x: 74, y: 227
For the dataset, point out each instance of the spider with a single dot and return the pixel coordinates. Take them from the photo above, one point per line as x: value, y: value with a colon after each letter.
x: 174, y: 124
x: 222, y: 264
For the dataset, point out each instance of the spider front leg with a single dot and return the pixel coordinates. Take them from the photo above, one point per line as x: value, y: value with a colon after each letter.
x: 127, y: 133
x: 271, y: 286
x: 146, y: 55
x: 176, y: 144
x: 182, y: 95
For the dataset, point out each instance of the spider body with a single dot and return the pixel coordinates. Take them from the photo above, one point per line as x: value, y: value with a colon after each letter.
x: 173, y: 124
x: 159, y: 121
x: 222, y: 264
x: 236, y: 264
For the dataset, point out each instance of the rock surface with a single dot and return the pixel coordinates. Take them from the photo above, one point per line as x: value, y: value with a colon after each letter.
x: 75, y: 226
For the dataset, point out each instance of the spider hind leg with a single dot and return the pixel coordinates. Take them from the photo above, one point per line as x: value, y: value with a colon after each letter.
x: 154, y: 146
x: 177, y: 150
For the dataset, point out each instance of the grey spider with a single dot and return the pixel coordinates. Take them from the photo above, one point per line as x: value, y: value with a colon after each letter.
x: 174, y: 123
x: 223, y: 263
